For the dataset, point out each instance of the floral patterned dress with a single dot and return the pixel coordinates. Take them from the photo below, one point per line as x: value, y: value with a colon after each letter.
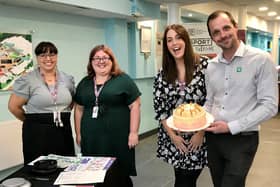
x: 166, y: 98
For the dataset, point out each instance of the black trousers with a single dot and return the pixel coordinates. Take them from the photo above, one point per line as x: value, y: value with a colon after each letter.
x: 230, y: 157
x: 186, y: 178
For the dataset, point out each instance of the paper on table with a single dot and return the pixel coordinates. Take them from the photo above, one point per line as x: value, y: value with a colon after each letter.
x: 87, y: 171
x: 91, y: 164
x: 80, y: 177
x: 79, y: 163
x: 80, y: 170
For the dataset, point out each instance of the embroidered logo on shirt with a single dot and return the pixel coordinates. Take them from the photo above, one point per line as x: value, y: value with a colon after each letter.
x: 238, y: 69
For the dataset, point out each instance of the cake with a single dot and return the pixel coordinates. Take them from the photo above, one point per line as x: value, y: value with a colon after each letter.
x: 189, y: 116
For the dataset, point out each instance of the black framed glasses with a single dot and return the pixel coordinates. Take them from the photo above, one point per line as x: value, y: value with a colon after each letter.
x: 100, y: 59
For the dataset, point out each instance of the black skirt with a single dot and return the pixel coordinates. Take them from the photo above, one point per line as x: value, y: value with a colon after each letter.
x: 41, y: 136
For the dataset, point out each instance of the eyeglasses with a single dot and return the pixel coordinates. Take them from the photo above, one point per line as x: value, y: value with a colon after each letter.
x: 45, y: 55
x: 99, y: 59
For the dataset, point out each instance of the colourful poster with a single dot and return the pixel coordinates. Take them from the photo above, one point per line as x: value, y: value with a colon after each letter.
x: 15, y: 58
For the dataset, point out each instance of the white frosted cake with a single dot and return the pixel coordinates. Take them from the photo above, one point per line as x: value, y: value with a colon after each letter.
x: 189, y: 116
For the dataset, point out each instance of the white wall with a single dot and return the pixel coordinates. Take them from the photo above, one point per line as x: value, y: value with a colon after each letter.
x: 10, y: 144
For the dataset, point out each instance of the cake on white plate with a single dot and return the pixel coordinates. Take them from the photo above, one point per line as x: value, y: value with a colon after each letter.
x: 189, y: 116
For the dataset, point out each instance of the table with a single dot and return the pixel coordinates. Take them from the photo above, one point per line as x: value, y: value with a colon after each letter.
x: 113, y: 178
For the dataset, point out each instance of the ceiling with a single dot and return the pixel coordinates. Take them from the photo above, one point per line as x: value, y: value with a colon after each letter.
x: 183, y: 2
x: 252, y: 6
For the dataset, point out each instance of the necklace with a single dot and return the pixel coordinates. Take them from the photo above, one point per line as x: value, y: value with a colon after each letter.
x: 181, y: 85
x: 48, y: 77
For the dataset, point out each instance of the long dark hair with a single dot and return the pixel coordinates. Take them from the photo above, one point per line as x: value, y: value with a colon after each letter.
x: 168, y: 62
x: 115, y: 67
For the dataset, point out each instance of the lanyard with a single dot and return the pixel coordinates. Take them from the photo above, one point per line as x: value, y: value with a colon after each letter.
x: 97, y: 91
x: 53, y: 92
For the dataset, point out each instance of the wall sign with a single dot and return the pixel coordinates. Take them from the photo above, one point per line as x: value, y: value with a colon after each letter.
x: 201, y: 41
x: 146, y: 38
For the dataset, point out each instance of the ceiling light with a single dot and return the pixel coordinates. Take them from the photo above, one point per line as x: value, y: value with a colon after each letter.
x: 278, y: 17
x: 272, y: 13
x: 190, y: 15
x: 263, y: 8
x: 277, y: 0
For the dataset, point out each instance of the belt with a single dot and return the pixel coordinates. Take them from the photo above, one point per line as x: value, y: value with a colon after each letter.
x: 244, y: 133
x: 248, y: 133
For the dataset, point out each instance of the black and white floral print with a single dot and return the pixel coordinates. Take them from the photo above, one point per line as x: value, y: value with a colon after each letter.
x: 166, y: 98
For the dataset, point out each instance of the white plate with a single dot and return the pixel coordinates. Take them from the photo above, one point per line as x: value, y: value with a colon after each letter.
x: 209, y: 120
x: 16, y: 182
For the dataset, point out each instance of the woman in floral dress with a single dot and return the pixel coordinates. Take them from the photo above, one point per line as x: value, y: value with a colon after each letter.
x: 181, y: 80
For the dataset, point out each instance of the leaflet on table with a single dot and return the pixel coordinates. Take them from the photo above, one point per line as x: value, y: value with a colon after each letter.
x: 80, y: 177
x: 91, y: 164
x: 81, y: 163
x: 87, y: 171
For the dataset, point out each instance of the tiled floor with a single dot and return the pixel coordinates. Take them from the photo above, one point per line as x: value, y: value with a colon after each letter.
x: 153, y: 172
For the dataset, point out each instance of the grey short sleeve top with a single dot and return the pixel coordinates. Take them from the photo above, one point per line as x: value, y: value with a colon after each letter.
x: 39, y: 100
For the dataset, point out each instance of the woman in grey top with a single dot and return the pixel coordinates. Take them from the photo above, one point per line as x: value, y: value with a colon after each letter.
x: 42, y: 99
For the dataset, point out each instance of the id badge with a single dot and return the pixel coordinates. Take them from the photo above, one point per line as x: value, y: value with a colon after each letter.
x: 55, y: 118
x: 94, y: 112
x: 59, y: 119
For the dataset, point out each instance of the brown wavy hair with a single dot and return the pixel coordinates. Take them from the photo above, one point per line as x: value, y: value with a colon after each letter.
x: 115, y: 71
x: 168, y: 62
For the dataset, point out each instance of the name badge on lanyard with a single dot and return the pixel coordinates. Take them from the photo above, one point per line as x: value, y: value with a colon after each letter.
x: 96, y: 93
x: 94, y: 112
x: 57, y: 118
x: 56, y: 113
